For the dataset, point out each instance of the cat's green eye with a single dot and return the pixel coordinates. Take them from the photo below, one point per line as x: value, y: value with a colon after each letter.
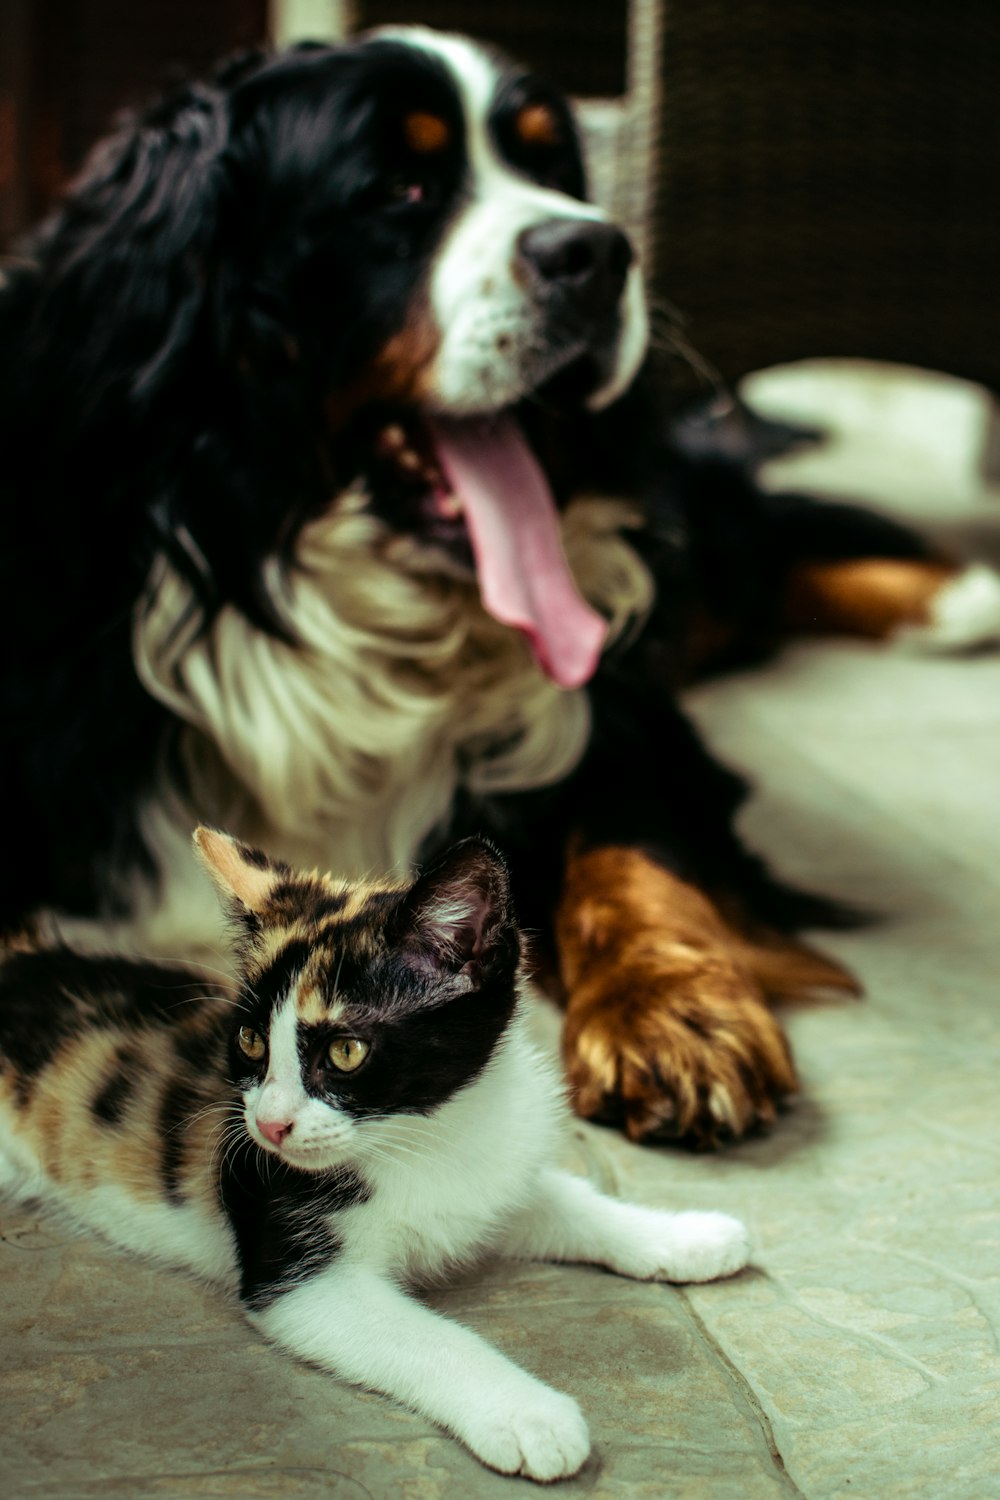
x: 347, y: 1053
x: 251, y: 1043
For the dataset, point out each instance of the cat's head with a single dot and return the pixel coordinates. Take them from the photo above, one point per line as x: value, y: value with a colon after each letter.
x: 361, y: 1001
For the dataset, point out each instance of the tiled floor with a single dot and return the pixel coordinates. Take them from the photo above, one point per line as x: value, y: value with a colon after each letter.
x: 859, y: 1355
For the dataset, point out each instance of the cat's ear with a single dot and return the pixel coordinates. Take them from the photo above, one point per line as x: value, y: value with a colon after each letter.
x: 457, y: 919
x: 239, y: 872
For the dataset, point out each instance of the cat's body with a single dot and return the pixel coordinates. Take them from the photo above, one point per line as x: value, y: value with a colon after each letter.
x: 368, y: 1114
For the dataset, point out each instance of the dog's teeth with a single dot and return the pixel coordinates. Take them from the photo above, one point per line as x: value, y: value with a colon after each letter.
x: 391, y: 439
x: 447, y: 504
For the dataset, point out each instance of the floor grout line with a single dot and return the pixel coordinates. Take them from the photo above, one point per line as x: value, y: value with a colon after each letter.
x: 748, y: 1396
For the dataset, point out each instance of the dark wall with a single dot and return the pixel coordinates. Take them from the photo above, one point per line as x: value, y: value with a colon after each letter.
x: 831, y: 180
x: 582, y: 47
x: 67, y: 66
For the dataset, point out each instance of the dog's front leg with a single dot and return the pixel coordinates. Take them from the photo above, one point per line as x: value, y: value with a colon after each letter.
x: 569, y: 1220
x: 667, y: 1027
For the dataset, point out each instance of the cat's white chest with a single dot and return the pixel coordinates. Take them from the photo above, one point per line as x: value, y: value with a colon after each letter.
x: 445, y: 1185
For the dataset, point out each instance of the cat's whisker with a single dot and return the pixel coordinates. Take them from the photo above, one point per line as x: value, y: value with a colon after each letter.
x: 223, y: 1107
x: 199, y: 969
x: 196, y: 968
x: 391, y: 1150
x: 340, y: 965
x: 230, y: 1140
x: 385, y: 1156
x: 236, y: 1144
x: 207, y: 999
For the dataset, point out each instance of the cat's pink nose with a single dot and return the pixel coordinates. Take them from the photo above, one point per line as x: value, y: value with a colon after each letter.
x: 274, y: 1131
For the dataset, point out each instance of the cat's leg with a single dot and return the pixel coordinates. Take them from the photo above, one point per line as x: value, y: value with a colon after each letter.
x: 569, y: 1220
x: 363, y: 1328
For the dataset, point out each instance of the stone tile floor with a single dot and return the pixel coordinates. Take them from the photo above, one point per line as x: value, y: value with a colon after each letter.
x: 859, y: 1354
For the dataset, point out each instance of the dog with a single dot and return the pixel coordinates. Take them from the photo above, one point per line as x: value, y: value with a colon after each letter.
x: 341, y: 508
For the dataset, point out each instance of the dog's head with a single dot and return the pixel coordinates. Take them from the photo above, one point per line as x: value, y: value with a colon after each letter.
x: 361, y: 262
x: 419, y: 206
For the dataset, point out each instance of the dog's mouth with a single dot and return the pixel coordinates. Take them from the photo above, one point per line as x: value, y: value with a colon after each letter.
x: 472, y: 489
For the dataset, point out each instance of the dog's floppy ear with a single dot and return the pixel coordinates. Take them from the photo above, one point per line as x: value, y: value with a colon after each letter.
x: 132, y: 239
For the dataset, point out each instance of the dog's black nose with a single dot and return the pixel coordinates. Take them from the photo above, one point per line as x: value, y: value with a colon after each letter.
x: 579, y: 259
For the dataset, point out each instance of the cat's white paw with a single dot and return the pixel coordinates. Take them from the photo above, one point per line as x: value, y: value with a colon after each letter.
x: 690, y: 1246
x: 539, y: 1433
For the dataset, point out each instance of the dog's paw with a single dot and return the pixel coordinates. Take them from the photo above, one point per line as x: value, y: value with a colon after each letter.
x: 539, y: 1433
x: 684, y: 1050
x: 690, y: 1246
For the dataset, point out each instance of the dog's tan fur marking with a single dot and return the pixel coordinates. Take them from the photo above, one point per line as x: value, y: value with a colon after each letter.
x: 870, y: 597
x: 401, y: 371
x: 426, y: 133
x: 667, y: 1023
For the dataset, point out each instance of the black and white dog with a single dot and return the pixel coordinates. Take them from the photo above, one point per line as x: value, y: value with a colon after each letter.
x: 339, y: 510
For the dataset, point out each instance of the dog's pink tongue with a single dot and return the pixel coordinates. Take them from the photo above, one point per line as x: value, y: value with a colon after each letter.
x: 524, y: 579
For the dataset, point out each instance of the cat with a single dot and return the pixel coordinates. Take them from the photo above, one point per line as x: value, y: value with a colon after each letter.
x: 367, y: 1113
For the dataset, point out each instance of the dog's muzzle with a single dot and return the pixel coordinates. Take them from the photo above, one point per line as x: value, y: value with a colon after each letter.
x: 575, y: 267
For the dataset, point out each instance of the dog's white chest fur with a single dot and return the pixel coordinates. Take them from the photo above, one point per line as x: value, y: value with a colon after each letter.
x: 344, y: 751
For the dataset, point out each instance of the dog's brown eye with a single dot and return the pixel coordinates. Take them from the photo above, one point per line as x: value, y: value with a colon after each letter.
x: 537, y: 125
x: 347, y: 1053
x: 251, y: 1043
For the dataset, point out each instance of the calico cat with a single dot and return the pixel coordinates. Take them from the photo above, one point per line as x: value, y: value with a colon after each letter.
x: 367, y: 1113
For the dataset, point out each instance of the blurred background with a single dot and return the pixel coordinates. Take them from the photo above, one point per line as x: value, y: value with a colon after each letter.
x: 803, y: 180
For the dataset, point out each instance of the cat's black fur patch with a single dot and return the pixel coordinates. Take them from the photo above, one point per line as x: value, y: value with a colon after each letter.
x: 199, y: 1048
x: 280, y: 1220
x: 287, y: 901
x: 273, y: 984
x: 180, y: 1103
x: 34, y: 985
x: 116, y: 1090
x: 419, y: 1058
x: 379, y: 905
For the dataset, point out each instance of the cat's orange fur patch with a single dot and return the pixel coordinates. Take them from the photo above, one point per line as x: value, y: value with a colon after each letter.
x: 312, y: 1008
x: 232, y: 872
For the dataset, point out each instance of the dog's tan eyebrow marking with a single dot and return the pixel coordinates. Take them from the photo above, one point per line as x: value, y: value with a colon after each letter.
x: 537, y: 125
x: 426, y: 133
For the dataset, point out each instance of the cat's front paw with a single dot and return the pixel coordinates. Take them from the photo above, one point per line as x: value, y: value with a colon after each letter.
x: 540, y: 1434
x: 692, y: 1246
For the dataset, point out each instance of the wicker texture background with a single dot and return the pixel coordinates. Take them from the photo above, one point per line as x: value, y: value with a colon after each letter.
x: 829, y: 180
x: 824, y: 180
